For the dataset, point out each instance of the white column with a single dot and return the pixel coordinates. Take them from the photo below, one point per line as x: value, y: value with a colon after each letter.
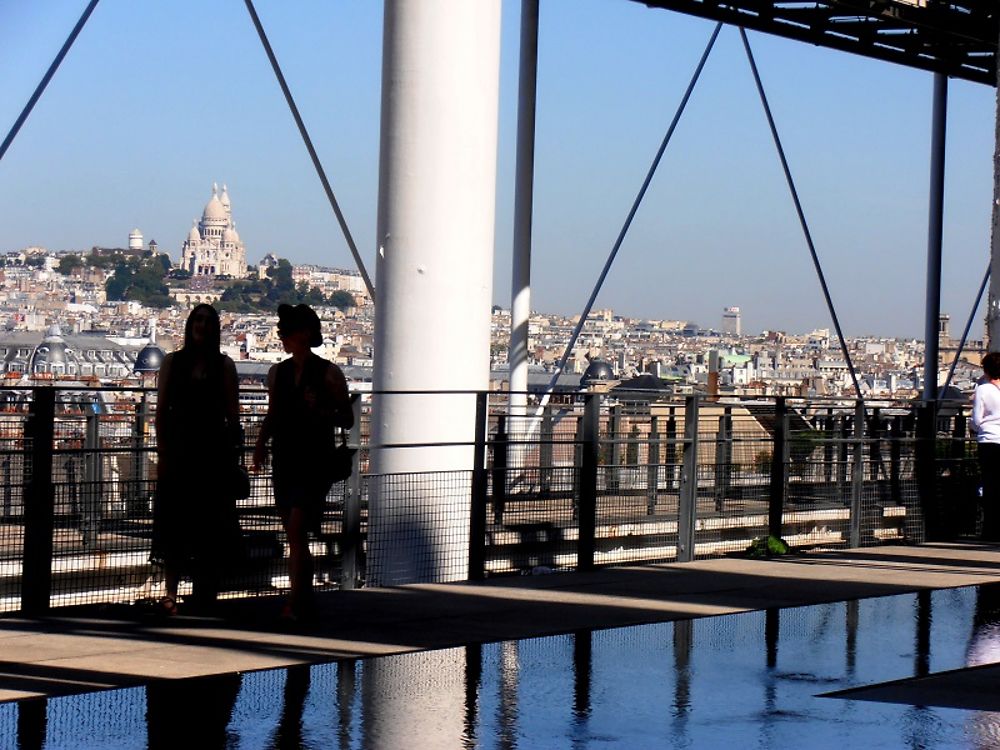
x: 520, y: 288
x: 437, y: 190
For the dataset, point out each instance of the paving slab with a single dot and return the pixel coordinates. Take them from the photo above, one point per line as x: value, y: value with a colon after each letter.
x: 78, y: 650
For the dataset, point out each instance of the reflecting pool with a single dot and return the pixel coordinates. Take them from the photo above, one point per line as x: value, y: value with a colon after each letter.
x: 742, y: 681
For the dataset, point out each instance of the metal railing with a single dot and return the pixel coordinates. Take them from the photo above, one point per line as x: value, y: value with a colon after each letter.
x: 591, y: 481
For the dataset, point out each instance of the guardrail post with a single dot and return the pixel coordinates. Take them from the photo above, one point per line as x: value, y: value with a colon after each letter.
x: 670, y: 459
x: 842, y: 452
x: 545, y: 436
x: 136, y: 485
x: 349, y: 569
x: 39, y: 510
x: 653, y: 466
x: 480, y: 481
x: 723, y: 458
x: 615, y: 430
x: 895, y: 461
x: 828, y: 446
x: 588, y: 482
x: 687, y: 507
x: 93, y: 483
x: 857, y: 475
x: 500, y: 463
x: 779, y: 468
x: 926, y: 470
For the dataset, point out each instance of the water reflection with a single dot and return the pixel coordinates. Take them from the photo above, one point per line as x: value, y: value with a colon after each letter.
x: 663, y: 685
x: 507, y: 705
x: 182, y: 712
x: 31, y: 724
x: 984, y: 648
x: 288, y: 735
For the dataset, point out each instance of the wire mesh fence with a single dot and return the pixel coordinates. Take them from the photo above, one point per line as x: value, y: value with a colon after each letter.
x: 560, y: 491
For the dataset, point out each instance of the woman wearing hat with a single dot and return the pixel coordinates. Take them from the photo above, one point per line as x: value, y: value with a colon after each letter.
x: 308, y: 399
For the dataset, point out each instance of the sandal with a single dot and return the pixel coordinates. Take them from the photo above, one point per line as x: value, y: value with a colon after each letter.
x: 166, y: 606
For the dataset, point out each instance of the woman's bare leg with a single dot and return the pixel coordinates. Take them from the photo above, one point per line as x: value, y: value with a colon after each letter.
x: 300, y: 562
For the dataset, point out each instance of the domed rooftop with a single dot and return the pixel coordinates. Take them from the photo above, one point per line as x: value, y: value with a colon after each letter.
x: 214, y: 210
x: 149, y: 359
x: 52, y: 351
x: 224, y: 198
x: 597, y: 371
x: 193, y: 235
x: 229, y: 235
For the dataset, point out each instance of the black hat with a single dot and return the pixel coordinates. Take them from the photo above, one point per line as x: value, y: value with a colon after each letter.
x: 300, y: 318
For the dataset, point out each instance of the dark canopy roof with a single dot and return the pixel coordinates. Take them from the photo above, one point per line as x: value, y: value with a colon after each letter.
x: 955, y: 37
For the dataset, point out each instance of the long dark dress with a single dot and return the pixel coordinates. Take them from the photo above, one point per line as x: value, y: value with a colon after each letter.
x: 302, y: 438
x: 194, y: 511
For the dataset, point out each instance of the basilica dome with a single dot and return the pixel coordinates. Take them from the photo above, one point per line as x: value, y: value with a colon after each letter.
x: 214, y: 210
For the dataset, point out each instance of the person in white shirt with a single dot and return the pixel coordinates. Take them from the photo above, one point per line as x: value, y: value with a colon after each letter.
x: 986, y: 423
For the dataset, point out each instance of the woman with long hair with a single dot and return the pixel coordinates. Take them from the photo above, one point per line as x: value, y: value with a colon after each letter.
x: 307, y: 400
x: 197, y: 434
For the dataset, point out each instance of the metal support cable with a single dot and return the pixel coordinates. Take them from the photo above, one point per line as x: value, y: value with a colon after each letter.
x: 309, y: 147
x: 965, y: 333
x: 46, y: 78
x: 631, y: 216
x: 798, y: 210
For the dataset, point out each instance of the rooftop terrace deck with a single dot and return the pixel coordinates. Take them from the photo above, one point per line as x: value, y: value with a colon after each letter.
x: 81, y: 650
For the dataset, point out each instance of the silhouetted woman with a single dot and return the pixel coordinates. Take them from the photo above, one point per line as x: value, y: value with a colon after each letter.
x: 986, y: 423
x: 197, y: 432
x: 308, y: 399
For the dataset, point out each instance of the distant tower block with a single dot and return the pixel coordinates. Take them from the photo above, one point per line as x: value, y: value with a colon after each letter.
x: 135, y: 240
x: 944, y: 328
x: 731, y: 322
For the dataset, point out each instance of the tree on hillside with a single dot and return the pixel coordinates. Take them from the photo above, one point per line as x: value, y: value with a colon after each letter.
x: 140, y: 280
x: 342, y: 300
x: 69, y: 263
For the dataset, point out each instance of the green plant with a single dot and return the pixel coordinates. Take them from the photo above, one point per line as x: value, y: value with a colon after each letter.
x: 766, y: 547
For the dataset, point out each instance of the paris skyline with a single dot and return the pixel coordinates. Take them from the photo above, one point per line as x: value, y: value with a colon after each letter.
x: 135, y: 124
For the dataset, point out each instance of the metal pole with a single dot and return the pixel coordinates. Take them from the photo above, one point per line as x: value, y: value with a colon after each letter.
x: 352, y: 505
x: 687, y: 509
x: 588, y: 482
x: 779, y: 469
x: 935, y: 230
x: 993, y: 307
x: 500, y: 463
x: 798, y: 209
x: 520, y: 288
x: 857, y: 475
x: 965, y: 333
x: 653, y: 466
x: 40, y: 88
x: 631, y: 214
x: 477, y: 516
x: 39, y: 504
x: 348, y: 237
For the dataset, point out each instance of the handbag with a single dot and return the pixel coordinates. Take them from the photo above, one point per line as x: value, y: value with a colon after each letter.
x: 239, y: 482
x: 341, y: 462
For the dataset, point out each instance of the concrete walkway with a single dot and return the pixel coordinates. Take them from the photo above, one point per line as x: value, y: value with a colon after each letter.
x: 83, y: 650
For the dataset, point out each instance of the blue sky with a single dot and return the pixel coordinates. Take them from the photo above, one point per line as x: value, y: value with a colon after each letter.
x: 159, y: 99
